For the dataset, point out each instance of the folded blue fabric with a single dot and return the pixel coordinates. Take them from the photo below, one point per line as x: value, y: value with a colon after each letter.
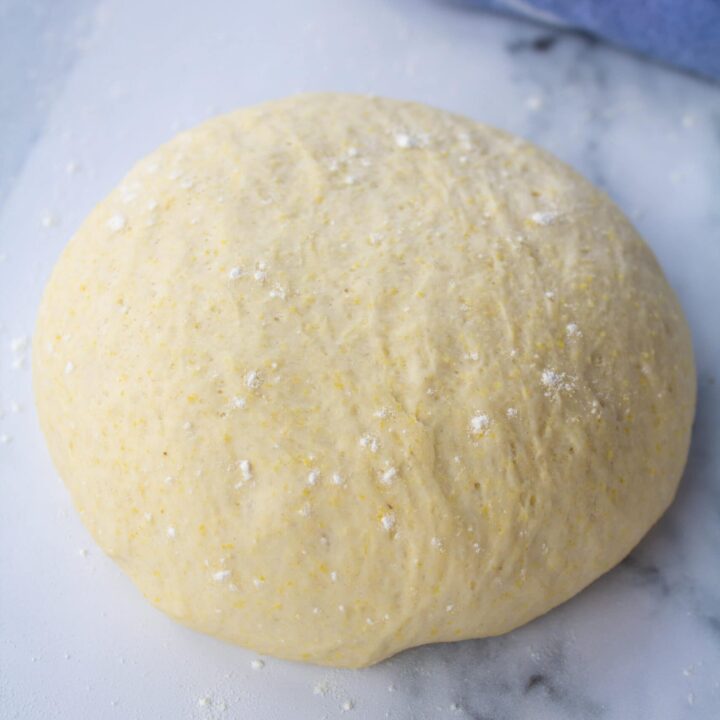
x: 684, y: 33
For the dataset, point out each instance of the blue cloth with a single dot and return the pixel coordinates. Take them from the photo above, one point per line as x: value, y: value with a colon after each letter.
x: 684, y: 33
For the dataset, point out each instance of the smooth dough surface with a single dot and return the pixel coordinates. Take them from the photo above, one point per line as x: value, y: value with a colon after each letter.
x: 335, y: 376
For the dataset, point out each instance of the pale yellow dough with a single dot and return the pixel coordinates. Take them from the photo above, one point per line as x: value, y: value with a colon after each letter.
x: 336, y: 376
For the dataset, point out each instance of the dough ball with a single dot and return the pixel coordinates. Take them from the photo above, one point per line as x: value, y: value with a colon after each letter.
x: 336, y: 376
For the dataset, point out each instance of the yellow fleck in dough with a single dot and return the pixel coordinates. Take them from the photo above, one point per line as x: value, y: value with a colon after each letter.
x: 336, y: 376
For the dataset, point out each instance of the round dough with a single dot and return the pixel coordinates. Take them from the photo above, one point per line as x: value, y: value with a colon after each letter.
x: 336, y: 376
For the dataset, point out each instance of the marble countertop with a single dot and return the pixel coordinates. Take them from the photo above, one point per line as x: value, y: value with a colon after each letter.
x: 90, y: 86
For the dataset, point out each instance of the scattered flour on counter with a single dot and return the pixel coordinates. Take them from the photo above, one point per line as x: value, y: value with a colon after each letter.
x: 321, y: 688
x: 49, y: 220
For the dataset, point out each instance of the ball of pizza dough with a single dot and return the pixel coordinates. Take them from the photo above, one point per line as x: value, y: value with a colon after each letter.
x: 336, y: 376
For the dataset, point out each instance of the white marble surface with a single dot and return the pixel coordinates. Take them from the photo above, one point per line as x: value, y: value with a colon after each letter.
x: 88, y: 87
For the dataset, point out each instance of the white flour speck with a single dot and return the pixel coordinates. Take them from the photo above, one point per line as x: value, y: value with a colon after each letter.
x: 549, y: 294
x: 221, y: 575
x: 544, y: 218
x: 257, y: 664
x: 49, y: 220
x: 347, y: 706
x: 245, y: 469
x: 258, y: 582
x: 382, y: 413
x: 171, y: 532
x: 405, y: 140
x: 337, y: 479
x: 238, y: 402
x: 305, y: 510
x: 116, y: 223
x: 572, y: 330
x: 321, y: 688
x: 511, y: 412
x: 235, y: 273
x: 437, y: 543
x: 260, y: 273
x: 19, y: 344
x: 449, y: 608
x: 388, y: 521
x: 278, y: 292
x: 253, y: 380
x: 479, y: 424
x: 388, y: 476
x: 555, y: 382
x: 370, y: 442
x: 333, y: 576
x: 69, y: 367
x: 313, y: 477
